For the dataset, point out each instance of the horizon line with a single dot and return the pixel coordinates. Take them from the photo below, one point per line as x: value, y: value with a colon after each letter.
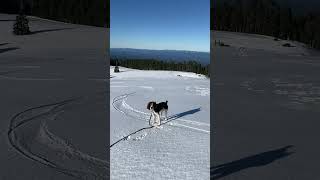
x: 159, y: 49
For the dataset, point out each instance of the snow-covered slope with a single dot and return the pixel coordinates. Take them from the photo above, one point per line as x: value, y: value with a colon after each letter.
x: 127, y: 73
x: 251, y: 43
x: 53, y: 121
x: 267, y: 98
x: 179, y: 149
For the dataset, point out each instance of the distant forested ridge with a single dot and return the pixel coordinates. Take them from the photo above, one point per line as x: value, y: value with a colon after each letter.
x: 167, y: 55
x: 87, y: 12
x: 153, y: 64
x: 268, y: 18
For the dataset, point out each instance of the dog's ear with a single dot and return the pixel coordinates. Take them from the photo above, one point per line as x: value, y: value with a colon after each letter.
x: 166, y: 102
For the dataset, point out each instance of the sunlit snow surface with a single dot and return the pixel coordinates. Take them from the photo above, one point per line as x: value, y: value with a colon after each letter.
x: 179, y: 149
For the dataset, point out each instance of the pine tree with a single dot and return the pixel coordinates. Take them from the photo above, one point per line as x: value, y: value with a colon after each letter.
x: 116, y: 69
x: 21, y: 25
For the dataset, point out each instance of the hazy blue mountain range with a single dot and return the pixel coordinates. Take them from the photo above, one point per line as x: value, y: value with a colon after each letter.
x: 167, y: 55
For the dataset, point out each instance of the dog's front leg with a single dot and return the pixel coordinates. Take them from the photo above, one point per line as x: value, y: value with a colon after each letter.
x: 153, y: 118
x: 151, y: 115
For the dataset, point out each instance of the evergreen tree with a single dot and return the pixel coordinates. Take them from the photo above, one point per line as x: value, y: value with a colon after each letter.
x: 21, y: 25
x: 89, y: 12
x: 154, y: 64
x: 268, y: 18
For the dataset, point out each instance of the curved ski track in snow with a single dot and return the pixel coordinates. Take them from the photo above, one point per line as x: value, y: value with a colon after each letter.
x: 119, y: 103
x: 28, y: 134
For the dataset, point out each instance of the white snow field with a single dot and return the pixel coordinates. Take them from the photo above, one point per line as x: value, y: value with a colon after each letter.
x: 53, y: 88
x: 253, y: 42
x: 180, y: 147
x: 266, y: 117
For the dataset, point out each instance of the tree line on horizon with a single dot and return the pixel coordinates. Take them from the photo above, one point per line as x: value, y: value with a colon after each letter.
x: 153, y: 64
x: 86, y: 12
x: 266, y: 17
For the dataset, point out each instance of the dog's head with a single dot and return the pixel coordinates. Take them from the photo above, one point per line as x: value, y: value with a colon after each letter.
x: 151, y: 105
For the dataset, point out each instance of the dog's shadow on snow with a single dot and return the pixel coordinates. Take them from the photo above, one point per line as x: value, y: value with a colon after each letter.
x: 256, y: 160
x: 179, y: 115
x: 170, y: 118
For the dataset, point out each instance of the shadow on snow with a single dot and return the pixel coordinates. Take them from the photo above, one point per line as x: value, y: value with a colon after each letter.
x: 257, y: 160
x: 171, y: 118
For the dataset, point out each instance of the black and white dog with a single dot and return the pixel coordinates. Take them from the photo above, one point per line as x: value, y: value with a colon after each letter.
x: 156, y: 111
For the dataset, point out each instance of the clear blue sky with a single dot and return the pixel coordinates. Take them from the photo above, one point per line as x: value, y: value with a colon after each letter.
x: 160, y: 24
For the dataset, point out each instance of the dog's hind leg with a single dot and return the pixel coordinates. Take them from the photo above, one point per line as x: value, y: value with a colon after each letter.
x: 158, y: 122
x: 166, y: 114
